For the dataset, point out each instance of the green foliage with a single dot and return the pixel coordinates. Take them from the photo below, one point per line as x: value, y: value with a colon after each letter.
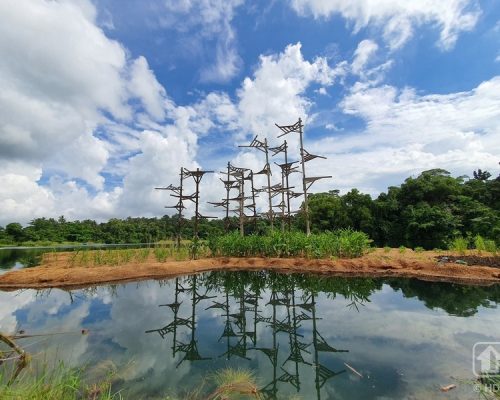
x: 459, y: 244
x: 60, y: 383
x: 479, y: 243
x: 161, y: 252
x: 402, y: 249
x: 419, y: 249
x: 490, y: 246
x: 343, y: 243
x: 427, y: 211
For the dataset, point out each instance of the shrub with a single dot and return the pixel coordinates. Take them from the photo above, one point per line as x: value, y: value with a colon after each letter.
x: 459, y: 244
x: 490, y: 246
x: 479, y: 243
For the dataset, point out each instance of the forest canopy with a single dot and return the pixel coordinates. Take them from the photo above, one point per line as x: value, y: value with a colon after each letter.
x: 428, y: 211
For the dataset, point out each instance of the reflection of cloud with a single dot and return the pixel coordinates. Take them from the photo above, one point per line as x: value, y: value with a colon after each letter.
x: 400, y: 346
x: 8, y: 305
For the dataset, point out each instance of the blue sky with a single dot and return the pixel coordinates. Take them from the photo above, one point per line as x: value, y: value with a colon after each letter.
x: 102, y: 101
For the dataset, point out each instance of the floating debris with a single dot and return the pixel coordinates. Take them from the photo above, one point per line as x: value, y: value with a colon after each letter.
x: 353, y: 370
x: 447, y: 388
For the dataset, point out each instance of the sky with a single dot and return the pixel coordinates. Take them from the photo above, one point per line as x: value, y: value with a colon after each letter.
x: 101, y: 102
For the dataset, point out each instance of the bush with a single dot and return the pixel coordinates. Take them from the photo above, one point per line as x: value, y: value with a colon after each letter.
x: 490, y: 246
x: 459, y: 244
x: 479, y: 243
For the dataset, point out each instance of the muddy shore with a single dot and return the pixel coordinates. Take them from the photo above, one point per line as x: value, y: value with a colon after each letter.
x: 56, y: 272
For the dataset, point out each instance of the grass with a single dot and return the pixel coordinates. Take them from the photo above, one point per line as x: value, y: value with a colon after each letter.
x: 459, y: 244
x: 234, y: 383
x: 160, y: 252
x: 343, y: 243
x: 479, y: 244
x: 64, y: 383
x: 60, y: 383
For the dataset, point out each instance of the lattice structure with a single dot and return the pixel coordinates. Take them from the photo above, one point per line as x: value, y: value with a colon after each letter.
x: 262, y: 146
x: 240, y: 334
x: 229, y: 184
x: 322, y: 373
x: 179, y: 194
x: 305, y: 157
x: 197, y: 175
x: 190, y: 348
x: 241, y: 175
x: 287, y: 168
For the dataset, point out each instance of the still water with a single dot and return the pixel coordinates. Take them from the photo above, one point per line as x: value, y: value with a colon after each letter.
x: 297, y: 333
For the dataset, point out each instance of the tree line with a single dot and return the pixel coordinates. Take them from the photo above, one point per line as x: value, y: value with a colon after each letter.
x: 427, y: 211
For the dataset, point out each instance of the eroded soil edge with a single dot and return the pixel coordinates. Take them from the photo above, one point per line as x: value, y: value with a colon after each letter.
x: 59, y: 274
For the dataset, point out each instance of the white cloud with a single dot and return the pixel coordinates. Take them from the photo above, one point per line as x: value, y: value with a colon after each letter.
x: 60, y: 73
x: 276, y: 93
x: 398, y: 18
x: 406, y: 133
x: 365, y: 50
x: 143, y: 84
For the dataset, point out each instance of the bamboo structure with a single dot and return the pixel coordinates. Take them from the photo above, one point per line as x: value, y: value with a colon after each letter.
x: 239, y: 175
x: 262, y: 146
x: 305, y: 157
x: 287, y: 168
x: 197, y: 175
x: 179, y: 194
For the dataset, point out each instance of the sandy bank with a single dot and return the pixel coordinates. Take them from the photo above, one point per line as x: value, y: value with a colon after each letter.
x: 56, y: 271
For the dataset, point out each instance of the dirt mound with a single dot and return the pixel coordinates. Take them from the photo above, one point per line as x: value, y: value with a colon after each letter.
x: 488, y: 261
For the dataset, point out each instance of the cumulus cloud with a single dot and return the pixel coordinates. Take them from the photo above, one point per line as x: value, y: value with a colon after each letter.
x: 397, y: 19
x: 143, y: 85
x: 60, y: 73
x: 276, y: 92
x: 406, y: 133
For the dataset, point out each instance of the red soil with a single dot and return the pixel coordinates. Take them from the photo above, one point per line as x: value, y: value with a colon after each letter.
x: 56, y: 271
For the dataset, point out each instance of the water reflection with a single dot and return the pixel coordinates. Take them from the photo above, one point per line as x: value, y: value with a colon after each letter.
x: 240, y: 326
x: 299, y: 333
x: 16, y: 258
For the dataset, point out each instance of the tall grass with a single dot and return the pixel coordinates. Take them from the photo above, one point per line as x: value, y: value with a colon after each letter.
x: 60, y: 383
x: 161, y: 252
x: 491, y: 246
x: 479, y: 244
x: 459, y: 244
x: 343, y: 243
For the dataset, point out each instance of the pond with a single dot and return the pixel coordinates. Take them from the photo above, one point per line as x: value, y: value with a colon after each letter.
x: 299, y: 334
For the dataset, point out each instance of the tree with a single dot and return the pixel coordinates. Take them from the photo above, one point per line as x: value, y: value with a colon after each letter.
x: 481, y: 175
x: 327, y: 212
x: 15, y: 231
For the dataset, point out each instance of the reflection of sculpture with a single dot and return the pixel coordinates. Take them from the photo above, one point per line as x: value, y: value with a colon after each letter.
x: 296, y: 340
x: 189, y: 349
